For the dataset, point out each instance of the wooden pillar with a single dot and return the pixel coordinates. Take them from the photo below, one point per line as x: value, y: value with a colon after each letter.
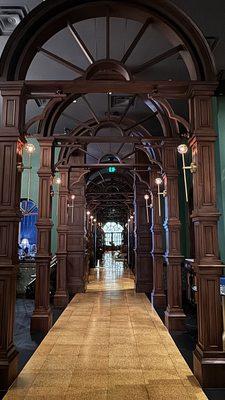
x: 77, y: 270
x: 42, y: 316
x: 158, y: 296
x: 61, y: 295
x: 143, y: 260
x: 174, y: 315
x: 11, y: 144
x: 131, y: 244
x: 209, y: 359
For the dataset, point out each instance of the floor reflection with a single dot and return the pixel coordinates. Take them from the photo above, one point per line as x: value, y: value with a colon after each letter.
x: 111, y: 274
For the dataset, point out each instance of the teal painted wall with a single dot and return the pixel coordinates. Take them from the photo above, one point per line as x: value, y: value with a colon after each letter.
x: 219, y: 125
x: 35, y: 162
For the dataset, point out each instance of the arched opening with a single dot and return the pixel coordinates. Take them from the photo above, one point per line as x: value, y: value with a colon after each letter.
x: 109, y: 91
x: 28, y: 232
x: 113, y: 235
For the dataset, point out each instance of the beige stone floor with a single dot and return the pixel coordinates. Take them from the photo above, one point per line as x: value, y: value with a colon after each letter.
x: 108, y: 344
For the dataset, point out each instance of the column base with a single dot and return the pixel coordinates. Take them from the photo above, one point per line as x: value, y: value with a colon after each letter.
x: 143, y: 287
x: 77, y: 286
x: 41, y: 321
x: 8, y: 368
x: 61, y: 299
x: 175, y: 321
x: 210, y: 372
x: 158, y: 300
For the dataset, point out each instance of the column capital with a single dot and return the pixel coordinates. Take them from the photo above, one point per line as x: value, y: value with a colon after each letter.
x: 202, y: 89
x: 12, y: 88
x: 45, y: 141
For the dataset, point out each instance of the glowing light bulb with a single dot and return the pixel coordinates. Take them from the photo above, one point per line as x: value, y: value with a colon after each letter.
x: 146, y: 196
x: 158, y: 181
x: 91, y: 217
x: 73, y: 196
x: 94, y: 220
x: 88, y: 212
x: 29, y: 148
x: 182, y: 149
x: 131, y: 217
x: 58, y: 181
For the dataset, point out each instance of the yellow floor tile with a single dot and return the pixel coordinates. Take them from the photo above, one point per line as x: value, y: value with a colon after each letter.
x: 109, y: 344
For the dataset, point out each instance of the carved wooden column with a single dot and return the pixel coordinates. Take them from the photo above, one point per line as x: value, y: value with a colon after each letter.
x: 143, y: 260
x: 77, y: 270
x: 42, y: 316
x: 174, y: 315
x: 158, y: 296
x: 61, y: 295
x: 11, y: 144
x: 209, y: 359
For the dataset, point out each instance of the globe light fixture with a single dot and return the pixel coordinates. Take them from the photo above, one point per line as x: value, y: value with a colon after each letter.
x: 183, y: 149
x: 159, y: 182
x: 30, y: 149
x: 58, y: 181
x: 72, y: 206
x: 147, y: 206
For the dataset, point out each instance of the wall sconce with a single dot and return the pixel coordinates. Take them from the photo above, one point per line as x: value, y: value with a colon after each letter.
x: 72, y: 206
x: 147, y: 206
x: 159, y: 182
x: 30, y: 149
x: 183, y: 149
x: 57, y: 181
x: 88, y: 219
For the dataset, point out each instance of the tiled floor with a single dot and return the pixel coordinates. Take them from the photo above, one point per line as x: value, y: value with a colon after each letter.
x: 109, y: 344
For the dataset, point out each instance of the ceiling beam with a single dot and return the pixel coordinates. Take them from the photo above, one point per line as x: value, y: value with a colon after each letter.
x: 141, y: 122
x: 91, y: 109
x: 102, y: 166
x: 136, y: 40
x: 111, y: 139
x: 81, y: 43
x: 62, y: 61
x: 167, y: 54
x: 131, y: 102
x: 158, y: 89
x: 107, y: 39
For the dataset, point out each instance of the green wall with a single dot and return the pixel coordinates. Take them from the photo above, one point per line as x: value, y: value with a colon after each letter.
x: 35, y: 162
x: 219, y: 124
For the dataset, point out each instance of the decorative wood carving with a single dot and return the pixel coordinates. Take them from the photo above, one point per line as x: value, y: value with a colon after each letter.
x: 174, y: 315
x: 11, y: 144
x: 209, y: 358
x: 61, y: 295
x: 42, y: 316
x: 158, y: 296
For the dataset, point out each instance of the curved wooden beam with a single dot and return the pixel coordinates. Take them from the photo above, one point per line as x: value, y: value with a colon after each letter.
x: 48, y: 18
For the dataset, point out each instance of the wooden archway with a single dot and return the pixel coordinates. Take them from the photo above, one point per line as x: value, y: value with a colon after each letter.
x: 41, y: 24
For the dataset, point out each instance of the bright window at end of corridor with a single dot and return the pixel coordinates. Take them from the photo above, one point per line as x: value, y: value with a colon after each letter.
x: 113, y: 234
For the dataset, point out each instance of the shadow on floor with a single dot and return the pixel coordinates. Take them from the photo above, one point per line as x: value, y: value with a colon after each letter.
x: 186, y: 342
x: 25, y: 343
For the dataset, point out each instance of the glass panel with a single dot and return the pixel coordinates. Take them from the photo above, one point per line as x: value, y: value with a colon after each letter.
x: 113, y: 234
